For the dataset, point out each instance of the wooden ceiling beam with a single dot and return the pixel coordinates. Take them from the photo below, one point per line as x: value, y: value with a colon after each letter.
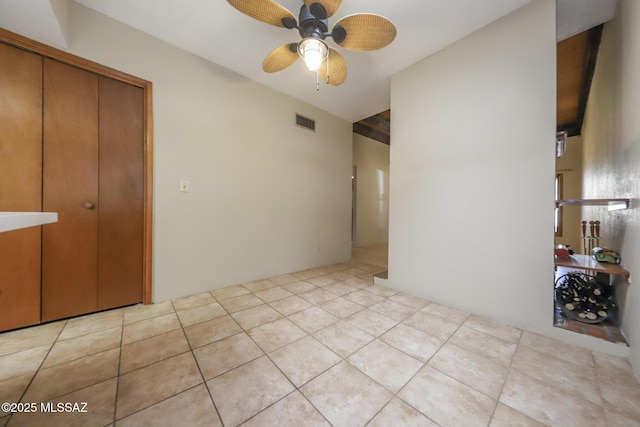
x: 369, y: 132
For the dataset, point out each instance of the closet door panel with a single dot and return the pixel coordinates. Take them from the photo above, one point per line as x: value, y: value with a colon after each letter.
x: 20, y: 184
x: 70, y: 187
x: 121, y: 178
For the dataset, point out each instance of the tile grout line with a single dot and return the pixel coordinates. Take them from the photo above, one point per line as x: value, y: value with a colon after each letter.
x: 38, y: 370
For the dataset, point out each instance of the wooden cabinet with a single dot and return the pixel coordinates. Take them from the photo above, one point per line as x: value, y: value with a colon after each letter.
x: 20, y: 184
x: 74, y: 142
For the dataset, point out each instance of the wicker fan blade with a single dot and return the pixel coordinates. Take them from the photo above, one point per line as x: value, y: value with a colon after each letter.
x: 335, y: 67
x: 280, y: 58
x: 266, y: 11
x: 366, y: 31
x: 331, y: 6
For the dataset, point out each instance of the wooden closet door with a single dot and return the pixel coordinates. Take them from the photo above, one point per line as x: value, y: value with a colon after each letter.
x: 70, y: 187
x: 20, y: 184
x: 121, y: 199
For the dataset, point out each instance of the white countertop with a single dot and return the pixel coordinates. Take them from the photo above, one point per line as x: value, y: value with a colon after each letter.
x: 15, y: 220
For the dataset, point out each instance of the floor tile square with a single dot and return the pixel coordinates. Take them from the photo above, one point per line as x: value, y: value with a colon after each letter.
x: 290, y: 305
x: 256, y: 316
x: 549, y: 405
x: 570, y: 377
x: 343, y: 338
x: 358, y: 282
x: 11, y: 389
x: 273, y: 294
x: 380, y: 290
x: 99, y: 398
x: 243, y: 392
x: 619, y: 386
x: 433, y: 325
x: 417, y: 344
x: 491, y: 327
x: 146, y: 328
x: 91, y: 323
x: 505, y: 416
x: 313, y: 319
x: 372, y: 322
x: 84, y: 345
x: 144, y: 387
x: 193, y: 301
x: 341, y: 307
x: 447, y: 401
x: 259, y: 285
x: 567, y: 352
x: 292, y: 411
x: 151, y: 350
x: 321, y: 281
x: 409, y: 300
x: 496, y: 349
x: 228, y: 353
x: 192, y: 408
x: 28, y: 338
x: 304, y: 359
x: 392, y: 309
x: 470, y: 368
x: 140, y: 312
x: 385, y: 364
x: 345, y: 396
x: 339, y: 288
x: 448, y: 313
x: 240, y: 303
x: 23, y: 362
x: 398, y: 413
x: 299, y: 287
x: 229, y: 292
x: 364, y: 298
x: 210, y: 331
x: 284, y: 279
x: 70, y: 376
x: 304, y: 274
x: 317, y: 296
x: 273, y: 335
x: 201, y: 313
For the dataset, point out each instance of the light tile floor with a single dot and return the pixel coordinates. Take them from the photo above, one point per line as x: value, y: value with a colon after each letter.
x: 314, y: 348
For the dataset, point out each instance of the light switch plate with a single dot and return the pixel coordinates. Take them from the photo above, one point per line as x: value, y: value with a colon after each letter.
x: 184, y: 186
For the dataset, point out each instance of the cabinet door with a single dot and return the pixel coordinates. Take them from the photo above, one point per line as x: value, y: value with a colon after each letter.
x: 70, y: 187
x: 121, y: 199
x: 20, y: 184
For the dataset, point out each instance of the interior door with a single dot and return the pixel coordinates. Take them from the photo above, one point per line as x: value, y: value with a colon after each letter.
x: 21, y: 178
x: 121, y: 199
x: 70, y: 187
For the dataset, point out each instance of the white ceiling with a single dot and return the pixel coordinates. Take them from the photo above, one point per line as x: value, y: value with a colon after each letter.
x: 216, y: 31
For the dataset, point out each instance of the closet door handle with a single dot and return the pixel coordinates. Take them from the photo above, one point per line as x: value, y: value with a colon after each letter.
x: 88, y: 205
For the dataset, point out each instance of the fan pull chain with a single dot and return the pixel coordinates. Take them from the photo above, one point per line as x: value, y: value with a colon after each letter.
x: 328, y: 56
x: 318, y: 80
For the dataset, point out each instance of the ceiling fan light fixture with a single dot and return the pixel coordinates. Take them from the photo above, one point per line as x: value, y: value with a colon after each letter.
x: 313, y: 52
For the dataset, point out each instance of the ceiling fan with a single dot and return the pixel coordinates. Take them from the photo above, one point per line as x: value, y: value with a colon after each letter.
x: 358, y: 32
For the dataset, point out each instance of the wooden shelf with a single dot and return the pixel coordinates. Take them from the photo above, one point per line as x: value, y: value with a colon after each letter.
x: 586, y: 262
x: 613, y: 204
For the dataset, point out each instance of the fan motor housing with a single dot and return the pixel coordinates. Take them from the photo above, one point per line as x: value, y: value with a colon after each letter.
x: 311, y: 25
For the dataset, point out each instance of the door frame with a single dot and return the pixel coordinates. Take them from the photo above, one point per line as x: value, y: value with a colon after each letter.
x: 24, y: 43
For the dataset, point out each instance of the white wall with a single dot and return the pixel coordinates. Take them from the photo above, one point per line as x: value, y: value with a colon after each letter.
x: 265, y: 194
x: 472, y: 174
x: 372, y: 214
x: 611, y: 137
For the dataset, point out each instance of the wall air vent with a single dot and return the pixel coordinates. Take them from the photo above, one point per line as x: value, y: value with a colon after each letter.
x: 305, y: 122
